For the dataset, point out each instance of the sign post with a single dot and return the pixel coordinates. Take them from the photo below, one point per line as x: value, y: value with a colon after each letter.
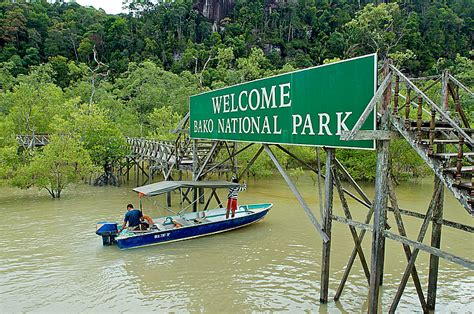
x: 306, y: 107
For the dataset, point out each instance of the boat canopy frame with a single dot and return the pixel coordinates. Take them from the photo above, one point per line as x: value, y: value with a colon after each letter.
x: 166, y: 187
x: 169, y: 186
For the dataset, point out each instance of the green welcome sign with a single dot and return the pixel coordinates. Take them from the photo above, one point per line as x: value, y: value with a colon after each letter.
x: 307, y: 107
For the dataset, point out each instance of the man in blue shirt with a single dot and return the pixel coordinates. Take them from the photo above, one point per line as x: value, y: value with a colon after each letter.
x: 132, y: 217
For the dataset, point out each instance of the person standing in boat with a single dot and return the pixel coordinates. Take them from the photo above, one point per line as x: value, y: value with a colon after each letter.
x: 132, y: 217
x: 232, y: 197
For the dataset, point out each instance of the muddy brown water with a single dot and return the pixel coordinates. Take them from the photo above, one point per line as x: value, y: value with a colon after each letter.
x: 51, y: 260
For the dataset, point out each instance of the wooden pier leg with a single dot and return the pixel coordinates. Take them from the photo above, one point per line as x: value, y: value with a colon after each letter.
x: 144, y: 174
x: 168, y: 195
x: 135, y: 166
x: 168, y: 199
x: 150, y: 170
x: 380, y: 204
x: 435, y: 242
x: 438, y: 211
x: 382, y: 250
x: 195, y: 199
x: 128, y: 169
x: 201, y: 196
x: 195, y: 174
x: 327, y: 224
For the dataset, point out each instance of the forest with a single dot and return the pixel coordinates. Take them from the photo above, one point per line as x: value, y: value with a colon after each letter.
x: 89, y: 79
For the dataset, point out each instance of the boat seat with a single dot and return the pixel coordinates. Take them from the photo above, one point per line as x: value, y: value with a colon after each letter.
x: 201, y: 220
x: 183, y: 222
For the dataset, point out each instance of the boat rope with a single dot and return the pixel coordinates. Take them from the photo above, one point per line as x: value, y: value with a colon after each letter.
x: 158, y: 205
x: 184, y: 208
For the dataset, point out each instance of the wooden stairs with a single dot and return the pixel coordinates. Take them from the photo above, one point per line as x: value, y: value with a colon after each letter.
x: 445, y: 142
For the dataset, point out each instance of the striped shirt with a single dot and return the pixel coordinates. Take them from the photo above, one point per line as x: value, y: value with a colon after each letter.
x: 234, y: 192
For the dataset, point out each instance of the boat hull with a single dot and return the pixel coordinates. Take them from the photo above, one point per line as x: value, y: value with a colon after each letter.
x: 189, y: 232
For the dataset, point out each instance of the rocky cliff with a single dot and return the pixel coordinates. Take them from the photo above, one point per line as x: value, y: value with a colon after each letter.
x: 215, y: 10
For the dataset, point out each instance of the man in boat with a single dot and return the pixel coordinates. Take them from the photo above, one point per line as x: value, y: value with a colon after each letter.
x: 232, y: 197
x: 132, y: 217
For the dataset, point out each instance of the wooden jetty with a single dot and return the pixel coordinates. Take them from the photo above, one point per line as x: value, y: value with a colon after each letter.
x: 28, y: 141
x: 438, y: 131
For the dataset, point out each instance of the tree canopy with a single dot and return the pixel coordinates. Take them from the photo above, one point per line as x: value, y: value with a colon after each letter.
x: 89, y: 79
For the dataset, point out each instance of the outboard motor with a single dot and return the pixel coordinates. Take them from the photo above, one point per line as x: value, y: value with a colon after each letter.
x: 108, y: 231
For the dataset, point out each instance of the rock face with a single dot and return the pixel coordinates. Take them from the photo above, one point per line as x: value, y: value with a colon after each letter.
x: 215, y: 10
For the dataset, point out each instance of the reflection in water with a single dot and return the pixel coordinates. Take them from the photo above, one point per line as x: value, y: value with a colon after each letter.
x: 51, y: 260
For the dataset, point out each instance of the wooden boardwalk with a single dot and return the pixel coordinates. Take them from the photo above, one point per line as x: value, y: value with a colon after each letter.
x: 152, y: 156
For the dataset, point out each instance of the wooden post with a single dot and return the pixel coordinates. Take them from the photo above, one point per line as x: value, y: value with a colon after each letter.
x: 136, y: 171
x: 435, y: 242
x: 168, y: 195
x: 195, y: 173
x: 458, y: 176
x: 432, y: 132
x: 419, y: 120
x: 407, y: 108
x: 395, y: 98
x: 380, y: 204
x: 471, y: 201
x: 128, y: 168
x: 201, y: 195
x: 327, y: 224
x: 444, y: 91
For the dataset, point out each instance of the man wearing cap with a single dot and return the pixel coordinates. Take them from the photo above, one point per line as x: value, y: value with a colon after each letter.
x: 232, y: 197
x: 132, y: 217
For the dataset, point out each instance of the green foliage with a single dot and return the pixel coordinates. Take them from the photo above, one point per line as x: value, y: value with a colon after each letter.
x: 360, y: 164
x: 161, y: 121
x: 7, y: 79
x: 147, y: 86
x: 157, y: 57
x: 100, y: 137
x: 177, y: 38
x: 62, y: 162
x: 405, y: 162
x: 32, y: 102
x: 379, y: 27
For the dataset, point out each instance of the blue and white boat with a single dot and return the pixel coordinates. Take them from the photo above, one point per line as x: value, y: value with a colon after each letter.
x: 182, y: 226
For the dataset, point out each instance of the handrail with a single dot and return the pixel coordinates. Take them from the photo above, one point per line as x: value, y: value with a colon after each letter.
x: 434, y: 106
x: 413, y: 103
x: 452, y: 78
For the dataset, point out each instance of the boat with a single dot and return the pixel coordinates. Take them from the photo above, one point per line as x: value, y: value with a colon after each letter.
x: 182, y: 226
